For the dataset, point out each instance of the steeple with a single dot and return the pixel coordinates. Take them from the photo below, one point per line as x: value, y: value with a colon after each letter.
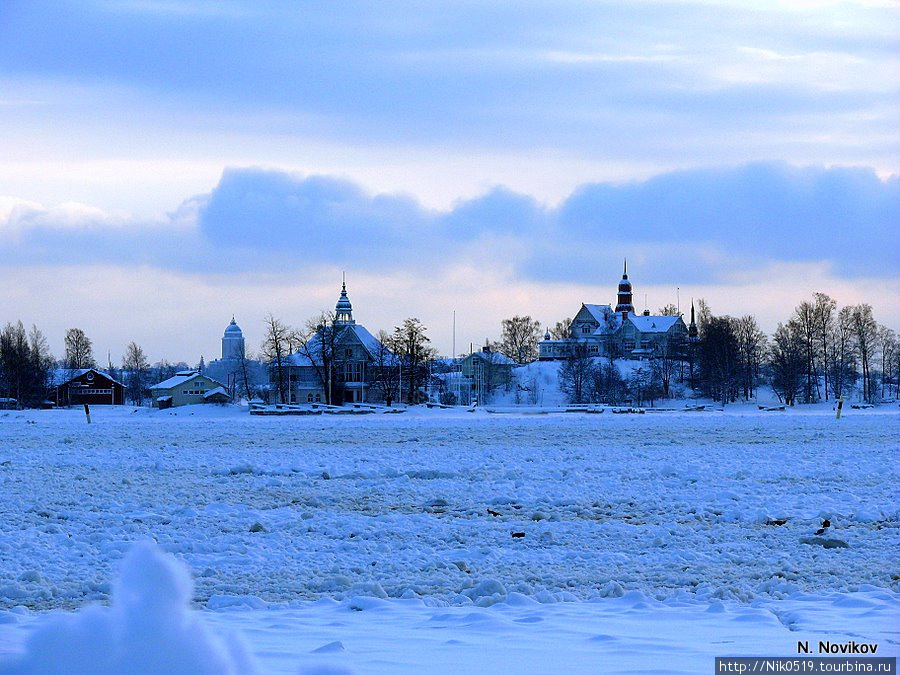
x: 692, y: 327
x: 624, y: 306
x: 343, y: 310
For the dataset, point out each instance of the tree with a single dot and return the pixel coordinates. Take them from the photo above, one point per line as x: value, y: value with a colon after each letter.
x: 520, y: 337
x: 788, y: 361
x: 752, y: 348
x: 719, y: 357
x: 411, y: 345
x: 606, y: 384
x: 79, y: 350
x: 865, y: 336
x: 704, y: 315
x: 137, y: 373
x: 575, y: 373
x: 385, y: 369
x: 668, y: 310
x: 275, y: 349
x: 562, y: 330
x: 807, y: 324
x: 843, y: 355
x: 41, y: 365
x: 824, y: 313
x: 666, y: 362
x: 887, y: 343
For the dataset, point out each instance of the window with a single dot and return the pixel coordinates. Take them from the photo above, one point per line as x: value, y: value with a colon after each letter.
x: 318, y: 398
x: 309, y: 398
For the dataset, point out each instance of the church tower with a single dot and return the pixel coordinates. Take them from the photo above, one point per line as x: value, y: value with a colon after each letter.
x: 624, y: 306
x: 692, y: 328
x: 343, y: 310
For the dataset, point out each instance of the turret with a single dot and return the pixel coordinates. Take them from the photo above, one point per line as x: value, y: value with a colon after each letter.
x: 624, y: 306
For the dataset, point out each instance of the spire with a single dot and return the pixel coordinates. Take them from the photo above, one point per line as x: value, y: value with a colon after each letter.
x: 692, y: 327
x: 343, y: 310
x: 624, y: 299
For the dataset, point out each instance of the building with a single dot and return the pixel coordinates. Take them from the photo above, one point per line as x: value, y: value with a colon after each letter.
x: 233, y: 342
x: 86, y: 385
x: 344, y: 356
x: 188, y: 387
x: 483, y: 373
x: 620, y: 332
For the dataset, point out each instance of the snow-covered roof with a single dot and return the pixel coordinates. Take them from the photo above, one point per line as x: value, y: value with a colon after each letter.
x: 497, y: 358
x: 653, y: 324
x: 61, y: 376
x: 218, y: 391
x: 598, y: 312
x: 163, y: 399
x: 313, y: 351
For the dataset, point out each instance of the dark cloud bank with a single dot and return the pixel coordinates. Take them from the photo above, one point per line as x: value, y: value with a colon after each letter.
x: 267, y: 220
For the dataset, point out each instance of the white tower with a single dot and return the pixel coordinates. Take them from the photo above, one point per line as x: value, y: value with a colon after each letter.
x: 232, y: 342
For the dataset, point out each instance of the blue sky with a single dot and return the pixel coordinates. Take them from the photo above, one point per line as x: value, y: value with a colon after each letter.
x: 171, y: 163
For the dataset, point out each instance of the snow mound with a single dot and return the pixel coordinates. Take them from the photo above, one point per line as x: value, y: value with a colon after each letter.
x: 149, y: 629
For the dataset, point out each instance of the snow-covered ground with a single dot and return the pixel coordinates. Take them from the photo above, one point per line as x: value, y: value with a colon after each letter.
x: 449, y: 541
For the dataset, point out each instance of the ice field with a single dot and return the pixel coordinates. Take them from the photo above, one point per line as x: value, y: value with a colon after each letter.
x: 446, y: 541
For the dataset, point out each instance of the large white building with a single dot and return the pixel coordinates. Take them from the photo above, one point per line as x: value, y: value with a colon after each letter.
x: 603, y: 331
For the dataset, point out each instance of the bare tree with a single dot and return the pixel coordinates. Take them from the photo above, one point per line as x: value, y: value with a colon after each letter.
x: 665, y: 363
x: 412, y: 347
x: 562, y: 330
x: 719, y: 356
x: 79, y: 350
x: 887, y: 344
x: 807, y: 324
x: 575, y: 373
x: 668, y: 310
x: 752, y: 347
x: 787, y: 359
x: 25, y: 365
x: 137, y: 372
x: 865, y: 337
x: 385, y: 369
x: 519, y: 340
x: 275, y: 349
x: 843, y: 359
x: 824, y: 314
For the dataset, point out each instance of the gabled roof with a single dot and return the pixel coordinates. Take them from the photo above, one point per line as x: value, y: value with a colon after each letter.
x: 218, y: 391
x: 653, y: 324
x: 348, y: 334
x: 496, y: 358
x: 181, y: 378
x: 63, y: 376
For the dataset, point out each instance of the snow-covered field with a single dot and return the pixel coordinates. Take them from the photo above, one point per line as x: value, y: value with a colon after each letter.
x: 448, y: 541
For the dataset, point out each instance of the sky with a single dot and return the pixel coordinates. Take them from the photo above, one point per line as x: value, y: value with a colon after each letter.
x: 166, y: 165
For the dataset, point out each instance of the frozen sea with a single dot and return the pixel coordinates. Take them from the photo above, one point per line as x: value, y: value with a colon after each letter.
x: 443, y: 541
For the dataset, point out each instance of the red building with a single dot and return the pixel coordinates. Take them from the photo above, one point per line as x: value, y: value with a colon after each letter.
x: 87, y: 385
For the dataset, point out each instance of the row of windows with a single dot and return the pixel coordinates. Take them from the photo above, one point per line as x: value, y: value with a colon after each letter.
x: 86, y: 392
x: 309, y: 398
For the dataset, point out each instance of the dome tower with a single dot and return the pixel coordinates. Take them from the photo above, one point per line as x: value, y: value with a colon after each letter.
x: 232, y: 342
x: 343, y: 310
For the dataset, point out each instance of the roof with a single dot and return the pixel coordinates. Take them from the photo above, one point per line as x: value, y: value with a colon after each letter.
x: 218, y: 391
x: 496, y: 358
x: 653, y: 324
x: 182, y: 377
x: 61, y: 376
x: 313, y: 351
x: 598, y: 312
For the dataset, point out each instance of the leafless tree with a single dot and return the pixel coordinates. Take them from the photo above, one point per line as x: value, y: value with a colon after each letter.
x: 412, y: 347
x: 807, y: 324
x: 825, y: 308
x: 787, y: 359
x: 275, y: 349
x: 843, y: 355
x: 79, y: 350
x: 865, y: 337
x: 668, y: 310
x: 887, y: 345
x: 752, y: 347
x: 519, y: 340
x: 562, y: 330
x: 385, y: 369
x: 575, y: 373
x: 137, y: 372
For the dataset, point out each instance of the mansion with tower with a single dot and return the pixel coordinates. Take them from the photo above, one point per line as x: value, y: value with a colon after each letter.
x: 603, y: 331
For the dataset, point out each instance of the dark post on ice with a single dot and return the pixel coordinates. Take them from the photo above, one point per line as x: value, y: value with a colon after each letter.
x: 87, y: 413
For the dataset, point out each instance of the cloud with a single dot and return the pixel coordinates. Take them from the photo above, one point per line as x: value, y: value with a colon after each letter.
x: 689, y: 226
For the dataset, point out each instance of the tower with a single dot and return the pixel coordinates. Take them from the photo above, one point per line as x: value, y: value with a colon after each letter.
x: 232, y: 342
x: 343, y: 310
x: 624, y: 306
x: 692, y: 328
